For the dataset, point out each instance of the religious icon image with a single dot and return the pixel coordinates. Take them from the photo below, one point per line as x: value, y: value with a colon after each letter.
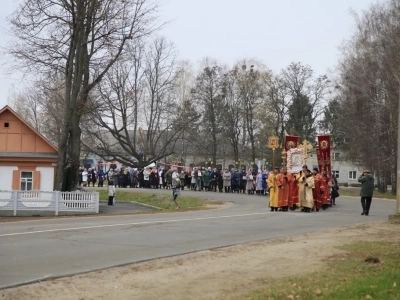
x: 324, y: 144
x: 295, y: 160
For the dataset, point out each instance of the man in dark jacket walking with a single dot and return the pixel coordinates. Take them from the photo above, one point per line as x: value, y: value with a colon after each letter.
x: 367, y: 190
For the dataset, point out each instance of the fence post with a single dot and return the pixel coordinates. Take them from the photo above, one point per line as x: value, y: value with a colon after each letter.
x: 97, y: 197
x: 15, y: 202
x: 57, y: 202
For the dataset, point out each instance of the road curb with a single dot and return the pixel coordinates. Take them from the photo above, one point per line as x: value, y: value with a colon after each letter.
x: 145, y: 205
x: 359, y: 197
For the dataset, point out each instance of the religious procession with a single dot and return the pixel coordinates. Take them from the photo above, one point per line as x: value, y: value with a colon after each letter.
x: 295, y: 186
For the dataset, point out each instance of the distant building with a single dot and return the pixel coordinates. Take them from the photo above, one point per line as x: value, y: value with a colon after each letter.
x: 27, y: 159
x: 344, y: 170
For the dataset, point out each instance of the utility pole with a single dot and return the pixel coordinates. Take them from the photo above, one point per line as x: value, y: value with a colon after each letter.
x: 398, y: 159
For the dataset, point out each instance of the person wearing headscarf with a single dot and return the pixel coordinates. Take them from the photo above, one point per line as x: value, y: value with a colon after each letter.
x: 264, y: 182
x: 235, y: 181
x: 243, y: 181
x: 101, y: 178
x: 220, y: 180
x: 259, y: 182
x: 333, y: 184
x: 249, y: 182
x: 153, y: 179
x: 226, y: 175
x: 207, y: 179
x: 214, y: 180
x: 161, y: 178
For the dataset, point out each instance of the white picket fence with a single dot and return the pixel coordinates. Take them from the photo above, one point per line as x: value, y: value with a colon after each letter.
x: 49, y: 201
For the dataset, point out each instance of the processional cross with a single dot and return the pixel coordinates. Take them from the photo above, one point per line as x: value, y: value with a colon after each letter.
x: 305, y: 146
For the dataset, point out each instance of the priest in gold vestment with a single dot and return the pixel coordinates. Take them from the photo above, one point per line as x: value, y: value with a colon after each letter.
x: 273, y: 190
x: 308, y: 202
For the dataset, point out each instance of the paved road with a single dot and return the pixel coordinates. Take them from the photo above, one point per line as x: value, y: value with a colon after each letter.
x: 35, y: 250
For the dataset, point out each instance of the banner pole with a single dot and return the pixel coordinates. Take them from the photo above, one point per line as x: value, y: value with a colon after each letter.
x: 273, y: 158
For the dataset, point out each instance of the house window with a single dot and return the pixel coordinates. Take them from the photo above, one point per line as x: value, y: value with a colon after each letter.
x: 353, y: 175
x: 335, y: 156
x: 6, y: 125
x: 26, y: 181
x: 335, y: 173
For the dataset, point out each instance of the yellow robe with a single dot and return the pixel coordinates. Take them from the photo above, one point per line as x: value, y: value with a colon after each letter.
x: 273, y: 190
x: 300, y: 184
x: 309, y: 199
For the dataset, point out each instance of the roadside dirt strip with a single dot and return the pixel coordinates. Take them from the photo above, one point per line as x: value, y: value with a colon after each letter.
x: 213, y: 274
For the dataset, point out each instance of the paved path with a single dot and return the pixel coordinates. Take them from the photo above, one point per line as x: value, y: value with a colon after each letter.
x: 123, y: 208
x: 34, y: 250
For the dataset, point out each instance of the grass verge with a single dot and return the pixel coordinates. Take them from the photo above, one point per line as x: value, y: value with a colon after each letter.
x: 163, y: 201
x: 347, y: 276
x: 355, y: 192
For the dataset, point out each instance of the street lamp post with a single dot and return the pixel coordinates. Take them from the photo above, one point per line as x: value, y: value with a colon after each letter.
x: 398, y: 160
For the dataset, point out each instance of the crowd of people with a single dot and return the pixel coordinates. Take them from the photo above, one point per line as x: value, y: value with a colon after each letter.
x: 306, y: 190
x: 198, y: 179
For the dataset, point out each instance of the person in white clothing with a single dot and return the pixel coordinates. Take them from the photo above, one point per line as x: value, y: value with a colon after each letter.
x: 85, y: 177
x: 111, y: 193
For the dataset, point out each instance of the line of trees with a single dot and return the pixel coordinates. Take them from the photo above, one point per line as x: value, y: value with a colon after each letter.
x: 105, y: 83
x: 363, y: 114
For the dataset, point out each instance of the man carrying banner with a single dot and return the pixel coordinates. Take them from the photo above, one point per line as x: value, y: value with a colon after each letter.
x: 325, y: 189
x: 324, y: 164
x: 291, y: 142
x: 293, y: 192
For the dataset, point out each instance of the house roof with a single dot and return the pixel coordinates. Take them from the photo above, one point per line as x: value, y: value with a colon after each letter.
x: 28, y: 154
x: 9, y: 109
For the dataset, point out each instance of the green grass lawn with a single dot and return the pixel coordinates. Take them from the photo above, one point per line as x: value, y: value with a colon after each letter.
x: 162, y: 201
x: 356, y: 193
x: 347, y: 276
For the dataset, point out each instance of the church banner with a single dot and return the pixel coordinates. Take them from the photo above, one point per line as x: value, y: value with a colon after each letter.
x: 291, y: 142
x: 324, y: 154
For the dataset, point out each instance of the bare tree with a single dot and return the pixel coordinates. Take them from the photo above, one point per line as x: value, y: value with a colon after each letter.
x: 79, y: 40
x: 367, y: 90
x: 41, y: 105
x: 208, y: 94
x: 233, y: 112
x: 253, y: 86
x: 136, y: 122
x: 307, y: 94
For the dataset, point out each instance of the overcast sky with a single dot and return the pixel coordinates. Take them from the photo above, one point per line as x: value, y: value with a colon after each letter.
x: 274, y: 31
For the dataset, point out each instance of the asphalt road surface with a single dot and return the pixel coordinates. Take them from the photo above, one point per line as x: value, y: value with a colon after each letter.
x: 35, y: 250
